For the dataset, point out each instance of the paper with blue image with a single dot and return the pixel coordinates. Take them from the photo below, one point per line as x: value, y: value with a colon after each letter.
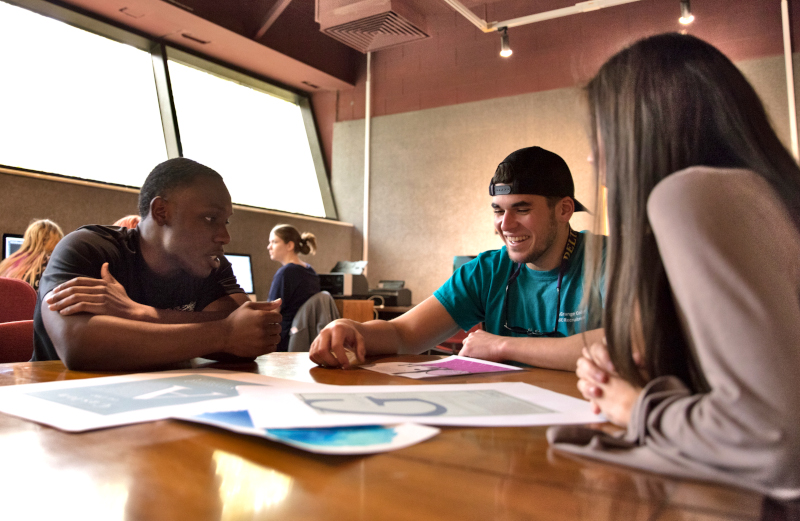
x: 96, y: 403
x: 122, y: 397
x: 353, y: 440
x: 477, y: 405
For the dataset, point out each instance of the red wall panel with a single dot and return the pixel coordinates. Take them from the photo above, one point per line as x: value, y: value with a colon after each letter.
x: 459, y: 63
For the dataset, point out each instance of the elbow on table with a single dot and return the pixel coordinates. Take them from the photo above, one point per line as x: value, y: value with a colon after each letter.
x: 778, y: 469
x: 69, y: 338
x: 72, y: 355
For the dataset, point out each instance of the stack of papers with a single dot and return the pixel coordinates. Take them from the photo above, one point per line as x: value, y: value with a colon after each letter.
x: 320, y: 418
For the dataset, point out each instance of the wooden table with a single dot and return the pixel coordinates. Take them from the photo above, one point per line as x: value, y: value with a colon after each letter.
x: 173, y: 470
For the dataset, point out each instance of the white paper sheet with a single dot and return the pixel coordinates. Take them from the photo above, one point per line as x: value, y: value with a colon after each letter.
x: 96, y: 403
x: 478, y: 405
x: 351, y: 440
x: 450, y: 366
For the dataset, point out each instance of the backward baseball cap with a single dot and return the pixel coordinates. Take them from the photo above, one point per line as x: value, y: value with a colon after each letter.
x: 534, y: 170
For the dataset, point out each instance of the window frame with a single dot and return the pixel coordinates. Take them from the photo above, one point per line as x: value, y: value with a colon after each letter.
x: 160, y: 53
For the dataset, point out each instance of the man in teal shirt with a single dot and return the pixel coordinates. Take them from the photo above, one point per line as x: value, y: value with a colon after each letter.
x: 527, y: 294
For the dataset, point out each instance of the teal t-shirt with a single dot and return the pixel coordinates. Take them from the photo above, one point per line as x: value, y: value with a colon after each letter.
x: 476, y: 291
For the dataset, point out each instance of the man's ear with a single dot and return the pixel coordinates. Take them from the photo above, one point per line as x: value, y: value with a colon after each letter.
x: 159, y: 210
x: 564, y: 209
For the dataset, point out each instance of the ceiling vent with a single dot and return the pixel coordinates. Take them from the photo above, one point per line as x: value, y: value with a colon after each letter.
x: 370, y: 25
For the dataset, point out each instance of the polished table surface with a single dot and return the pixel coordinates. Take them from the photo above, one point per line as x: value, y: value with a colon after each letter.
x: 172, y: 470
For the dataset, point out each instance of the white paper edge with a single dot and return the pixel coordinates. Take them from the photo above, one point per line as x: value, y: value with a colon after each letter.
x: 279, y: 408
x: 15, y: 401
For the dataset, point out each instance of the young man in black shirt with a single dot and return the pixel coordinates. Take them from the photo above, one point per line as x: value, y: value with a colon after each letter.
x: 127, y: 299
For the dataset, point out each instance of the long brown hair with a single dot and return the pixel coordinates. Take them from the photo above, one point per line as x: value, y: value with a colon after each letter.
x: 27, y: 262
x: 305, y: 243
x: 664, y: 104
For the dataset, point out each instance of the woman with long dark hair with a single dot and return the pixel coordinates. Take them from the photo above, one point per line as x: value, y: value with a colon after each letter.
x: 295, y: 281
x: 702, y: 313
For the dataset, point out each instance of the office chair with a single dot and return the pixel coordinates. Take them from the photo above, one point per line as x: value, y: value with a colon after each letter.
x: 17, y: 302
x: 316, y: 313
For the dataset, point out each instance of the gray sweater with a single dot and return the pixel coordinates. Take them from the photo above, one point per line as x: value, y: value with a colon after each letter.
x: 732, y: 256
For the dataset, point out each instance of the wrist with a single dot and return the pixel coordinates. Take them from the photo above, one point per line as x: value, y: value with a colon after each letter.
x: 501, y: 348
x: 144, y: 313
x: 220, y: 333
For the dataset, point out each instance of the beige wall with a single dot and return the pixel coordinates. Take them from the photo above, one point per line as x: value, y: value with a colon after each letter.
x: 431, y: 169
x: 71, y: 206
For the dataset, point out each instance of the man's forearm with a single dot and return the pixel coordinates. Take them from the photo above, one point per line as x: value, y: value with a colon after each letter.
x: 550, y: 353
x: 105, y: 343
x: 380, y: 337
x: 172, y: 316
x: 217, y: 310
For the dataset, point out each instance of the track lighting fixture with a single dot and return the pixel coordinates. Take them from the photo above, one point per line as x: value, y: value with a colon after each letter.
x: 505, y: 49
x: 686, y: 13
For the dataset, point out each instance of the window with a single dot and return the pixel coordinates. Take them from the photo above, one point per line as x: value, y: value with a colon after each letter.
x: 75, y: 103
x: 86, y: 105
x: 255, y: 140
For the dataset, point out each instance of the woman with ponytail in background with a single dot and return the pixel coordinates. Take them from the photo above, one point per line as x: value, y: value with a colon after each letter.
x: 295, y: 281
x: 29, y: 261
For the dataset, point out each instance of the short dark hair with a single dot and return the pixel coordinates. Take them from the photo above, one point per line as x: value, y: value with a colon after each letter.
x: 169, y: 175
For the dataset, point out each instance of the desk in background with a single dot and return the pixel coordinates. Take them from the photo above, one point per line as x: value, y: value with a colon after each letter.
x: 171, y: 470
x: 356, y: 309
x: 363, y: 310
x: 390, y: 312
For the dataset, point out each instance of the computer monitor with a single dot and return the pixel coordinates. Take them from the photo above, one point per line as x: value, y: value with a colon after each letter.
x: 460, y: 260
x: 11, y: 243
x: 243, y: 269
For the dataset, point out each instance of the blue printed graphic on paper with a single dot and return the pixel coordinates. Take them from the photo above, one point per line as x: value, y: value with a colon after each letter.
x: 143, y: 394
x: 361, y: 436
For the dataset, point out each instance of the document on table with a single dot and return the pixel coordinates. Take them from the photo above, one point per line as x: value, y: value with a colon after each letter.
x: 96, y: 403
x: 450, y: 366
x: 351, y: 440
x: 476, y: 405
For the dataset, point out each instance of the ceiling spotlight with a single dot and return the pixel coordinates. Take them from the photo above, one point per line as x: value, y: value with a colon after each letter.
x: 686, y: 13
x: 505, y: 49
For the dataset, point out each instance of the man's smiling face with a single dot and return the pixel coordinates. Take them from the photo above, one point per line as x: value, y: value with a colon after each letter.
x: 527, y: 225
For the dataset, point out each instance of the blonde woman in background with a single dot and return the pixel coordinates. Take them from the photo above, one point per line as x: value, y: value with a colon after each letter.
x: 295, y: 281
x: 29, y: 261
x: 129, y: 221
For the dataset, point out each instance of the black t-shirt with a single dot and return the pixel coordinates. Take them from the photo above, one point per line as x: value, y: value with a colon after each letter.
x: 82, y: 254
x: 294, y: 284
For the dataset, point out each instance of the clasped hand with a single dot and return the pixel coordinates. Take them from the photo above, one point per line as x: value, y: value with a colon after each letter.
x: 253, y: 329
x: 103, y: 296
x: 603, y: 387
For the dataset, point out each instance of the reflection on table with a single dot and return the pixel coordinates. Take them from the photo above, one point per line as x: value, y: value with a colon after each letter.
x: 175, y: 470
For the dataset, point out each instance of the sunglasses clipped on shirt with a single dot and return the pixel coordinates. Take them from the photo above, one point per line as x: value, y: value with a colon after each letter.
x: 568, y: 249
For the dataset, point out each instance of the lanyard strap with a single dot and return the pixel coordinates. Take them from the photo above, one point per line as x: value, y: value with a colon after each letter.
x: 569, y: 248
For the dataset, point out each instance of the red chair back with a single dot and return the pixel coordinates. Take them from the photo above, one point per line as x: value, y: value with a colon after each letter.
x: 16, y: 341
x: 17, y: 300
